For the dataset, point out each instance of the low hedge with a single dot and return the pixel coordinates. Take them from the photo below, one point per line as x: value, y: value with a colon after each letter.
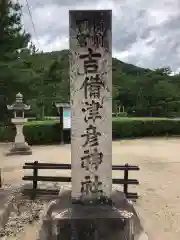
x: 49, y: 132
x: 145, y: 128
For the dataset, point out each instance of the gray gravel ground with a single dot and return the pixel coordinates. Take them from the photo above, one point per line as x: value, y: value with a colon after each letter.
x: 26, y: 212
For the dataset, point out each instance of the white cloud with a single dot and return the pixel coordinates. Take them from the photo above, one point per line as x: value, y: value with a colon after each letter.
x: 56, y: 44
x: 145, y: 33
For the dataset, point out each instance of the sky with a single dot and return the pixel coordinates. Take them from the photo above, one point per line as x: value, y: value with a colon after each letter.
x: 145, y: 33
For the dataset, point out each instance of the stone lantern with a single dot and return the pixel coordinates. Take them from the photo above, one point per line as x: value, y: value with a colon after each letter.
x: 18, y: 108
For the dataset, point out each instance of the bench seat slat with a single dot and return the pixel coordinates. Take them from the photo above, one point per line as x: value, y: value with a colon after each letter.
x: 122, y: 181
x: 47, y: 179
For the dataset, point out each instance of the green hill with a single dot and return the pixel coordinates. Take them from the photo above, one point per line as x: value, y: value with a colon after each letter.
x: 43, y: 78
x: 148, y: 92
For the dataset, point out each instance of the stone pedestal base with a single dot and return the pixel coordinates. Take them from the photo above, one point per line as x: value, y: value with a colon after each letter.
x: 64, y: 220
x: 20, y: 149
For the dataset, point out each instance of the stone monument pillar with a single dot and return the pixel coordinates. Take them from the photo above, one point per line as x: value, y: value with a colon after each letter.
x: 91, y: 209
x: 20, y: 146
x: 91, y: 104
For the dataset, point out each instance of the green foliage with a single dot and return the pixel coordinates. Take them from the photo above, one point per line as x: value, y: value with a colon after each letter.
x: 142, y: 92
x: 7, y: 133
x: 135, y: 128
x: 43, y: 78
x: 12, y: 70
x: 12, y: 35
x: 48, y: 132
x: 120, y: 114
x: 45, y: 133
x: 45, y: 122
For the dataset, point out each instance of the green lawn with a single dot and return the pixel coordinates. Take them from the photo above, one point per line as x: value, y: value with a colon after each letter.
x: 41, y: 122
x: 137, y: 118
x: 114, y: 119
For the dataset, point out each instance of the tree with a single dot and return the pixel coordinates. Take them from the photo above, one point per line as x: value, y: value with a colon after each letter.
x: 12, y: 38
x: 12, y: 35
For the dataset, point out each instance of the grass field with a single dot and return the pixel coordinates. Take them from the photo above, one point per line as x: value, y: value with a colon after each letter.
x: 41, y: 122
x: 137, y: 118
x: 114, y: 119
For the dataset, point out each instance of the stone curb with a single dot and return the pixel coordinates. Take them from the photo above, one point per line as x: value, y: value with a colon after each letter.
x: 143, y: 235
x: 9, y: 206
x: 45, y: 216
x: 45, y: 221
x: 5, y: 213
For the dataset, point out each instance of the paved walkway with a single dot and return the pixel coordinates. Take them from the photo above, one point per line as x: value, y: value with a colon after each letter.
x: 159, y: 161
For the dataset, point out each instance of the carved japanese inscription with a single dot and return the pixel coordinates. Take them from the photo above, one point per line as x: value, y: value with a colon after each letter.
x: 91, y: 103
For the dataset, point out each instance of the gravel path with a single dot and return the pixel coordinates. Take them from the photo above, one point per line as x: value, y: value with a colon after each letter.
x: 23, y: 221
x: 159, y: 161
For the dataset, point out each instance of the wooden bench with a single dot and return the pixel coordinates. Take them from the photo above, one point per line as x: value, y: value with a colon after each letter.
x: 35, y: 178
